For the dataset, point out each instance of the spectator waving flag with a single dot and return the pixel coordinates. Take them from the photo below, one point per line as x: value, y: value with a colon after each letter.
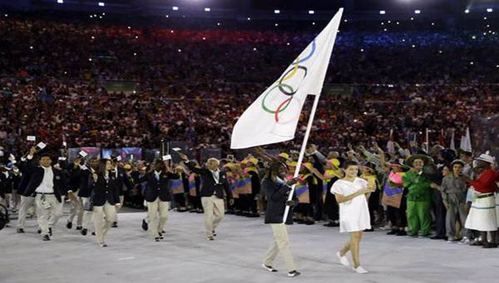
x: 273, y: 117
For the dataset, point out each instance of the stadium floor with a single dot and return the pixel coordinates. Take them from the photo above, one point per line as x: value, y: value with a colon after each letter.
x: 235, y: 256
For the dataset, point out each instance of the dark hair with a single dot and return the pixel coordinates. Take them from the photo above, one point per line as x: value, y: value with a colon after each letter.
x: 102, y: 166
x: 273, y: 168
x: 349, y: 163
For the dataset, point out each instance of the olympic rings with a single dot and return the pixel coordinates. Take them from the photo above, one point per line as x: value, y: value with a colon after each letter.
x: 286, y: 89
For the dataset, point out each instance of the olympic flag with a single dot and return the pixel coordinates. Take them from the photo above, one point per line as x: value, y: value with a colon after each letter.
x: 273, y: 117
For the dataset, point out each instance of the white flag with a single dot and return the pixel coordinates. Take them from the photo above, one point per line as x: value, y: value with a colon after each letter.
x: 273, y: 117
x: 452, y: 141
x: 467, y: 141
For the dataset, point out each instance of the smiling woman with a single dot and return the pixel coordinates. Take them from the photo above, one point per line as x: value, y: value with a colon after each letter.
x: 350, y: 193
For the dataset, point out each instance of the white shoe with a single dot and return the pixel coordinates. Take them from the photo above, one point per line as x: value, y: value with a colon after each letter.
x: 360, y: 270
x: 343, y: 259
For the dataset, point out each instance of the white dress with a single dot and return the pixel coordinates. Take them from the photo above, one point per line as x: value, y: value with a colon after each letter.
x: 354, y: 214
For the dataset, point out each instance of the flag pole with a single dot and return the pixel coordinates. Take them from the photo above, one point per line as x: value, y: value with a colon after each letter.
x: 302, y: 154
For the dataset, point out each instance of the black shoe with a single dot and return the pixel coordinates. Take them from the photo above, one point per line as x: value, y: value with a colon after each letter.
x: 145, y: 226
x: 488, y: 245
x: 157, y: 239
x: 436, y: 237
x: 293, y: 273
x: 331, y: 224
x: 39, y: 231
x: 160, y: 235
x: 20, y: 230
x: 214, y: 233
x: 69, y: 225
x: 84, y: 232
x: 46, y: 238
x: 115, y: 225
x: 79, y: 228
x: 93, y: 233
x: 401, y: 233
x: 369, y: 230
x: 50, y: 232
x: 269, y: 268
x: 477, y: 243
x: 393, y: 232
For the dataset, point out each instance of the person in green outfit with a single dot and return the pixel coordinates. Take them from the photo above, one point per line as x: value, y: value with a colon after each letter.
x: 419, y: 196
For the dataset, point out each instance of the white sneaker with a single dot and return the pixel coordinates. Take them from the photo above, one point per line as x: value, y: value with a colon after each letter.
x: 343, y: 259
x: 360, y: 270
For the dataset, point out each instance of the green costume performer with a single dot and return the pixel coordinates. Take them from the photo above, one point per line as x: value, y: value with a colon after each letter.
x: 418, y: 203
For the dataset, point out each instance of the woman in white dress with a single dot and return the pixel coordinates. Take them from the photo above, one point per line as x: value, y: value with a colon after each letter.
x: 350, y: 192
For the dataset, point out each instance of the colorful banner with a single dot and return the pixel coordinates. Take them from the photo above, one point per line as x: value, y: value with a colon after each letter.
x: 131, y: 153
x: 243, y: 186
x: 177, y: 186
x: 192, y: 186
x: 233, y: 188
x: 302, y: 192
x: 392, y: 196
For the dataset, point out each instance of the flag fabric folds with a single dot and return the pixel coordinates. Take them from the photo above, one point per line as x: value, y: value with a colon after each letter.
x: 274, y: 115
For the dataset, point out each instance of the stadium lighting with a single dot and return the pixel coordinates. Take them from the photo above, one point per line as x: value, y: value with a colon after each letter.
x: 207, y: 9
x: 417, y: 12
x: 382, y: 12
x: 175, y: 8
x: 277, y: 11
x: 102, y: 4
x: 467, y: 11
x: 490, y: 10
x: 249, y: 19
x: 311, y: 12
x: 60, y: 1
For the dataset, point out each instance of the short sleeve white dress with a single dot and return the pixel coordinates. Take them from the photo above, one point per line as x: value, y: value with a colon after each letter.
x: 354, y: 214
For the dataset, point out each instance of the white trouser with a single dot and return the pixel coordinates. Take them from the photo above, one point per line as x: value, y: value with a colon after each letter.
x: 87, y: 215
x: 26, y: 204
x: 157, y: 214
x: 46, y: 208
x: 103, y: 219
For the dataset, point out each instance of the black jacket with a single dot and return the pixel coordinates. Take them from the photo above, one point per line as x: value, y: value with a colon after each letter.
x: 36, y: 177
x: 105, y: 190
x: 86, y: 182
x: 25, y: 176
x: 277, y: 196
x: 209, y: 187
x: 158, y: 188
x: 122, y: 180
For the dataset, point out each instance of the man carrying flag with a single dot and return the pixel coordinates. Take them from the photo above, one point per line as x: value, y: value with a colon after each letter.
x: 274, y: 116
